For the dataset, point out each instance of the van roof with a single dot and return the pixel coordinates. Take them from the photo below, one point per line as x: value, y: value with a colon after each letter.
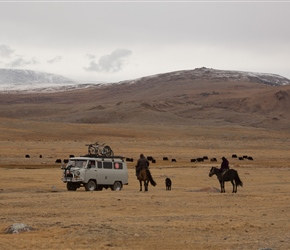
x: 88, y: 157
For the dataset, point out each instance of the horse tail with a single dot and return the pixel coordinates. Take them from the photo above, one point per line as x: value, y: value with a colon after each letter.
x: 152, y: 182
x: 238, y: 180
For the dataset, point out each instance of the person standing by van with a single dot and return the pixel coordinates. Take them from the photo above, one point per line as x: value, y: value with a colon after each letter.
x: 141, y: 163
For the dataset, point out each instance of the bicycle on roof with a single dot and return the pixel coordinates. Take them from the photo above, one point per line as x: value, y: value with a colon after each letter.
x: 98, y: 149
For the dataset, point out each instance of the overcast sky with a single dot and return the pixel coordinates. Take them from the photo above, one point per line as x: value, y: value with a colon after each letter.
x: 114, y: 41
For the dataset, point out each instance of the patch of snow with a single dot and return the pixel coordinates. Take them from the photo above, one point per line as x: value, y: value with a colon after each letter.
x: 43, y: 87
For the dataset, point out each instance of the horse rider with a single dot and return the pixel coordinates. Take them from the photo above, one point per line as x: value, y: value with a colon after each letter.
x: 224, y: 165
x: 141, y: 163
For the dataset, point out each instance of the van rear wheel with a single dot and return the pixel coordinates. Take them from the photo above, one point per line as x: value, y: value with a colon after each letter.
x: 90, y: 186
x: 117, y: 186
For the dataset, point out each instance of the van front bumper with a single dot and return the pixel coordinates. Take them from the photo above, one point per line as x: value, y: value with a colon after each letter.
x: 71, y: 179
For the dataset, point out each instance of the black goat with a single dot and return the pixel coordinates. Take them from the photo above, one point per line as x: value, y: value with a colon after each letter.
x: 168, y: 183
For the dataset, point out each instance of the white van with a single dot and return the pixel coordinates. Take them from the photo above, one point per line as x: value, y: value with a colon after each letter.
x: 95, y: 173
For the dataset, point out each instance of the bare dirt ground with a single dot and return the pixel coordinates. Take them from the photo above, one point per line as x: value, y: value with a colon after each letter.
x: 190, y: 216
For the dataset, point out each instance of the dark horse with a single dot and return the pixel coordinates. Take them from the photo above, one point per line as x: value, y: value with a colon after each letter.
x: 228, y: 175
x: 145, y: 176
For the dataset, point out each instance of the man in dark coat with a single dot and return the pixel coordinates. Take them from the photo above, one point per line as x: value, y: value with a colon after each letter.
x: 141, y: 163
x: 224, y: 165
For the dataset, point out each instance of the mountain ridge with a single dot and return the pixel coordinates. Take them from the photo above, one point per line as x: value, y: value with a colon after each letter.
x: 217, y: 75
x: 178, y: 98
x: 36, y: 81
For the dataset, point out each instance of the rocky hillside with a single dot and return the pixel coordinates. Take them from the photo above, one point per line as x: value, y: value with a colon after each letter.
x: 215, y: 75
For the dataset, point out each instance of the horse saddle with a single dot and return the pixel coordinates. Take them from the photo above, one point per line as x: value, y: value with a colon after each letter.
x: 223, y: 172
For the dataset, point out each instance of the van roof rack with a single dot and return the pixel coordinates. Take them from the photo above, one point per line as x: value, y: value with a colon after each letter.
x: 105, y: 157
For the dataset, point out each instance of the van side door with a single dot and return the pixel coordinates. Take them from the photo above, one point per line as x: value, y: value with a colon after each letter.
x: 105, y: 174
x: 91, y: 171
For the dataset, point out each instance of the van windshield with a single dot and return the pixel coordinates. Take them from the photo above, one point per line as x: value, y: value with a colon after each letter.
x: 77, y: 163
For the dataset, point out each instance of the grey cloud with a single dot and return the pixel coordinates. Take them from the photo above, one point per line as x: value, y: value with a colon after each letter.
x: 5, y: 50
x: 55, y: 60
x: 194, y: 33
x: 113, y: 62
x: 90, y: 56
x: 20, y: 62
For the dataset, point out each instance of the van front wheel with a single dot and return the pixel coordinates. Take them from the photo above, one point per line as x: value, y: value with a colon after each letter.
x: 71, y: 186
x: 117, y: 186
x: 90, y: 186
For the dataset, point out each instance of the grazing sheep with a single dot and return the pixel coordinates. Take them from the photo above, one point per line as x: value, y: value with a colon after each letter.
x: 149, y: 158
x: 58, y: 161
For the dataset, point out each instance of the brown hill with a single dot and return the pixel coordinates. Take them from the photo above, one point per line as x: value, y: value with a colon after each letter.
x: 197, y: 97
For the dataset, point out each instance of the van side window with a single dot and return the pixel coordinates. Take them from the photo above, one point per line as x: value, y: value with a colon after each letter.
x: 92, y: 164
x: 118, y: 165
x: 100, y: 164
x: 107, y: 165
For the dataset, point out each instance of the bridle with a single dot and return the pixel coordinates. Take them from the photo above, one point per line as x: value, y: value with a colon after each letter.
x: 212, y: 172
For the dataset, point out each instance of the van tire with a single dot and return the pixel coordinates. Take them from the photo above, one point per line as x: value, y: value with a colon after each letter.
x: 90, y: 186
x: 71, y: 187
x: 117, y: 186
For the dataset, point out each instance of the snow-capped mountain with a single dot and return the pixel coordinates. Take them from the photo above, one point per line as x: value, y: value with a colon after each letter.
x: 19, y: 80
x: 20, y: 76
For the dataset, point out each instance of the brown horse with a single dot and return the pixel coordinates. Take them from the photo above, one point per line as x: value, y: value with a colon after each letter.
x: 228, y: 175
x: 145, y: 176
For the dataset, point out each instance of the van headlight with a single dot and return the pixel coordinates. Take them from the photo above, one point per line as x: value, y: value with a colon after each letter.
x: 77, y: 173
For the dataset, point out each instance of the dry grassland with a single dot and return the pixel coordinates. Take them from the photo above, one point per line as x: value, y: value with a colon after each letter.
x: 191, y: 216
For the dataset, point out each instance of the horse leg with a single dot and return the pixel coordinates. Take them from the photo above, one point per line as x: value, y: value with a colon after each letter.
x: 234, y: 186
x: 140, y: 185
x: 146, y: 185
x: 222, y: 186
